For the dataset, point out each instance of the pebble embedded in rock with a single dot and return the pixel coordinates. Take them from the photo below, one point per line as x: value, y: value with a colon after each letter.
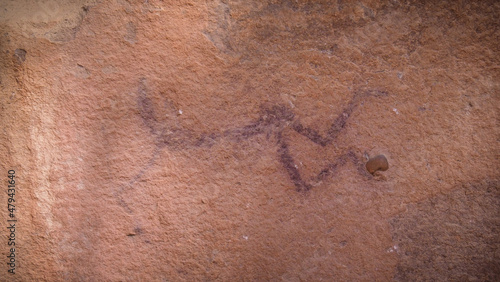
x: 377, y: 163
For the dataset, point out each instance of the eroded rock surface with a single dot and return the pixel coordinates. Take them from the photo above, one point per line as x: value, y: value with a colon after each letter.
x: 228, y: 140
x: 450, y: 237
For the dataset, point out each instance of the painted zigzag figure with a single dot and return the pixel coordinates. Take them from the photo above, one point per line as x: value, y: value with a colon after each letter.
x: 273, y: 120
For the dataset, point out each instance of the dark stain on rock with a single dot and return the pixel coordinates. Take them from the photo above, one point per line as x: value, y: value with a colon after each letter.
x: 288, y: 163
x: 20, y: 55
x: 273, y: 121
x: 450, y: 237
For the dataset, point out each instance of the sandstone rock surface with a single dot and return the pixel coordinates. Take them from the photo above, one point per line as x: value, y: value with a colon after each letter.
x: 227, y: 140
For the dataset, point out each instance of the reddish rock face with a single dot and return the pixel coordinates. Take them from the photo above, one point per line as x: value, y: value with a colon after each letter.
x: 228, y: 140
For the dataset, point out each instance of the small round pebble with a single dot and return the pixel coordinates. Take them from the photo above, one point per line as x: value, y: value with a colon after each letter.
x: 377, y: 163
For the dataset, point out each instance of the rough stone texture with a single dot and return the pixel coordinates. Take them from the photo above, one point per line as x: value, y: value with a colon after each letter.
x: 227, y: 140
x: 450, y: 237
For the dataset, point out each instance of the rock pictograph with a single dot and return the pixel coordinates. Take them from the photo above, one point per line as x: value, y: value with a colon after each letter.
x: 249, y: 140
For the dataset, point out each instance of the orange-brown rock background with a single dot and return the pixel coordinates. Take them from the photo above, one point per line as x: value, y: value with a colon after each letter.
x: 125, y: 123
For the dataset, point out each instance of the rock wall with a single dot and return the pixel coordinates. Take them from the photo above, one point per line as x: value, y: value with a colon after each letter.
x: 227, y: 140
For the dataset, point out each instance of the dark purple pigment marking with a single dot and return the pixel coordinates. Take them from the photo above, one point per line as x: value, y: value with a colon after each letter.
x: 272, y: 121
